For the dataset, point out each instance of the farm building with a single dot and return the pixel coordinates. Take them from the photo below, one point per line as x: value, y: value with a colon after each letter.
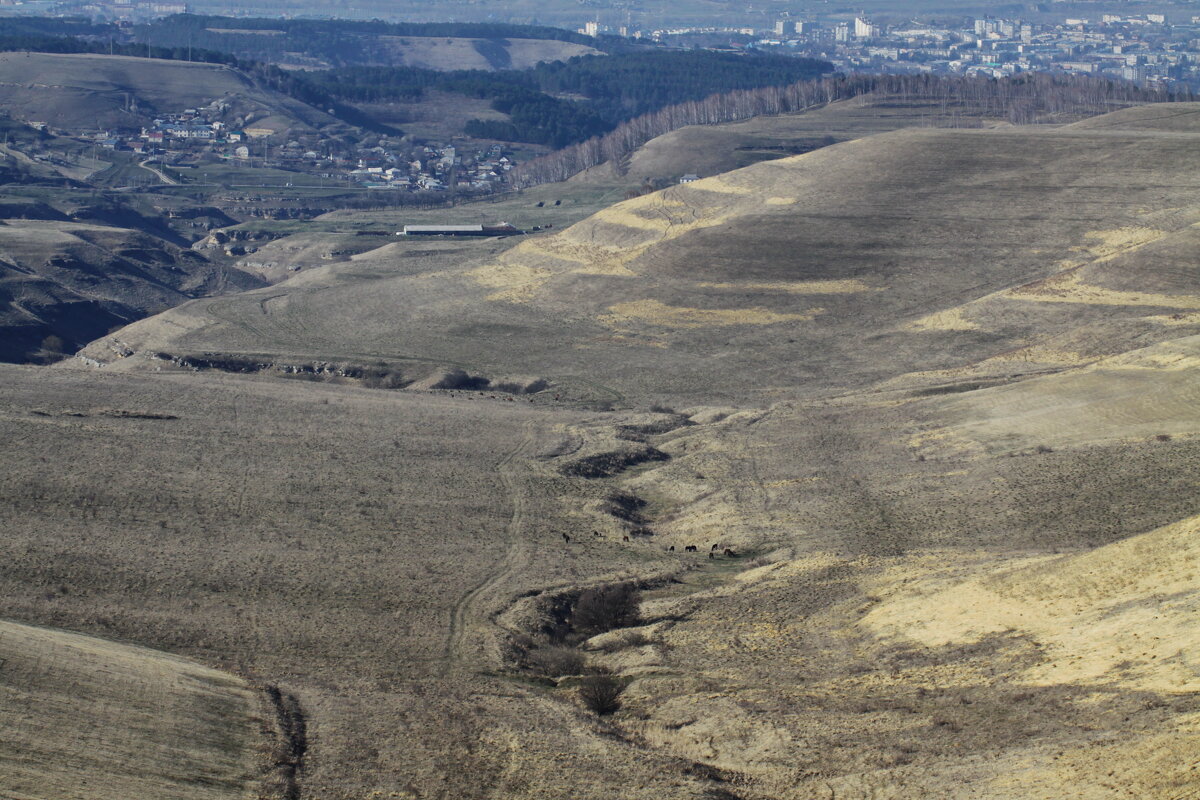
x: 503, y: 229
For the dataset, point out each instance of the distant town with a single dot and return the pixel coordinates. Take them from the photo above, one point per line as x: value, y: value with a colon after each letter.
x: 1155, y: 48
x: 1148, y: 48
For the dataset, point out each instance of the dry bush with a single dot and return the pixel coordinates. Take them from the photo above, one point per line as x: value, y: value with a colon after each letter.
x: 630, y: 639
x: 606, y: 607
x: 554, y: 661
x: 601, y: 693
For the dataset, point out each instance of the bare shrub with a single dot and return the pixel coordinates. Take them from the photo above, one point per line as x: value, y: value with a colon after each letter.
x: 606, y: 607
x: 635, y: 639
x: 629, y: 639
x: 601, y: 693
x: 554, y: 661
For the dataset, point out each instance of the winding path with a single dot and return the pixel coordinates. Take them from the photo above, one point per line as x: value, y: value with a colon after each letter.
x: 474, y: 608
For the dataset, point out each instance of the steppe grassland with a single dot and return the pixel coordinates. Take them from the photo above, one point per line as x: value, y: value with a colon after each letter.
x: 339, y: 542
x: 708, y: 150
x: 92, y: 719
x: 1137, y: 396
x: 704, y: 149
x: 906, y: 630
x: 920, y: 256
x: 1120, y: 615
x: 182, y: 83
x: 442, y: 53
x: 69, y: 90
x: 837, y: 504
x: 658, y: 313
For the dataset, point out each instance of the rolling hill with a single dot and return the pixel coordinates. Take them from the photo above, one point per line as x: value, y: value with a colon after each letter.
x: 86, y: 91
x: 485, y: 54
x: 896, y: 438
x: 802, y: 274
x: 90, y: 718
x: 65, y: 281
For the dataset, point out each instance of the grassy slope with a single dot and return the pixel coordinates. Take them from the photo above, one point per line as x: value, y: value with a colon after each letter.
x: 707, y: 150
x: 78, y: 280
x: 807, y: 274
x: 457, y: 53
x: 1001, y: 607
x: 973, y: 592
x: 87, y: 91
x: 347, y: 544
x: 89, y: 718
x: 977, y: 342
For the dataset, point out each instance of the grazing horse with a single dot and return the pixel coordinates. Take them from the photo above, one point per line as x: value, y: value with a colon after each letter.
x: 566, y: 538
x: 691, y: 548
x: 714, y: 547
x: 671, y: 549
x: 710, y: 555
x: 624, y: 538
x: 730, y: 553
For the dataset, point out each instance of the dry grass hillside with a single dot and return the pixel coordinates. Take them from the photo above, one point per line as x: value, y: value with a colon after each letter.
x: 349, y: 545
x: 89, y: 718
x: 989, y: 594
x: 897, y: 438
x: 75, y: 280
x: 707, y: 150
x: 486, y: 54
x: 86, y: 91
x: 813, y: 273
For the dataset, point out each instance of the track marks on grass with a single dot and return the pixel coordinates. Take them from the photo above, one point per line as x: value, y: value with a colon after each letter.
x: 474, y: 608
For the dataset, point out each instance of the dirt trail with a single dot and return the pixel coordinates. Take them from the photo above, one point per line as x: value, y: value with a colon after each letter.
x: 473, y: 610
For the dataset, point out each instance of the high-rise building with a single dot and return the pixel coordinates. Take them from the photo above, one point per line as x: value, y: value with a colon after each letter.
x: 864, y: 29
x: 842, y: 32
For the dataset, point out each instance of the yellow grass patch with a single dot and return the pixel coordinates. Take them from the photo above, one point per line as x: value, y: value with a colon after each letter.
x: 659, y: 313
x: 1112, y: 243
x: 1039, y: 354
x: 1156, y: 358
x: 781, y: 201
x: 1148, y: 766
x: 1069, y: 287
x: 658, y: 213
x: 850, y: 286
x: 723, y: 185
x: 1124, y: 613
x: 952, y: 319
x: 516, y: 282
x: 1175, y: 319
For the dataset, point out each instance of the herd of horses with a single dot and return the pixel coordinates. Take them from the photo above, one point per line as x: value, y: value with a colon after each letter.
x: 688, y: 548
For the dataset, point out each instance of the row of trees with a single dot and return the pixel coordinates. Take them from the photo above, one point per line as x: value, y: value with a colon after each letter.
x: 611, y: 89
x: 623, y: 86
x: 1022, y: 99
